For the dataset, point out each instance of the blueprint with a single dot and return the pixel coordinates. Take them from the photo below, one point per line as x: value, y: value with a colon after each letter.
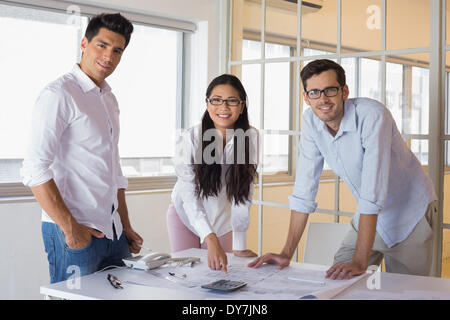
x: 266, y: 282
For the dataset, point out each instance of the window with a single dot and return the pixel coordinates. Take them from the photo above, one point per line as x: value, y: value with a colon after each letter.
x: 370, y: 80
x: 382, y: 62
x: 394, y: 91
x: 38, y: 47
x: 146, y: 84
x: 42, y: 45
x: 420, y: 100
x: 277, y: 106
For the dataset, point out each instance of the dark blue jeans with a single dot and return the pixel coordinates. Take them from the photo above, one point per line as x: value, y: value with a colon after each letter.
x: 64, y: 262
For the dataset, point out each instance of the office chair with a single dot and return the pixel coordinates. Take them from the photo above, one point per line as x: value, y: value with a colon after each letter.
x: 323, y: 241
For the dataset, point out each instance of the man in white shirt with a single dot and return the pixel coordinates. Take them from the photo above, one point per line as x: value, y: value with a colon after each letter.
x: 72, y: 163
x: 359, y: 140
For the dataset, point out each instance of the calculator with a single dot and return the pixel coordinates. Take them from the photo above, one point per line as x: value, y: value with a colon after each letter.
x: 224, y: 285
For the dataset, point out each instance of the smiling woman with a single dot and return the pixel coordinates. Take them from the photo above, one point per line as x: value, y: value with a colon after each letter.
x: 224, y: 107
x: 211, y: 199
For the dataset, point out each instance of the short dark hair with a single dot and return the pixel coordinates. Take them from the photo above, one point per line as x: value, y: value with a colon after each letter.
x: 112, y: 21
x: 318, y: 66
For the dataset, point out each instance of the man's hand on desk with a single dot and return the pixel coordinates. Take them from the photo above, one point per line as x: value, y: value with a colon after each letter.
x: 345, y: 270
x: 244, y: 253
x: 271, y: 258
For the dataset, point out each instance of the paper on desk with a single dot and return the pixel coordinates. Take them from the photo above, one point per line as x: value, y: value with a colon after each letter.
x: 335, y: 287
x: 372, y: 295
x: 403, y: 295
x: 265, y: 282
x: 425, y: 295
x: 268, y: 282
x: 327, y: 291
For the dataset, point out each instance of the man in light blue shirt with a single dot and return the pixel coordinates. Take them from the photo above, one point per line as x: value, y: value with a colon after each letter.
x: 359, y: 140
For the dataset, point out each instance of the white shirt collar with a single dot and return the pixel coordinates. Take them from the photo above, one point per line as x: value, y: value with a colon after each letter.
x: 85, y: 82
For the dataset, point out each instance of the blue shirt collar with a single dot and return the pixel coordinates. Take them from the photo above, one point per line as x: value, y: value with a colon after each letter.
x: 348, y: 122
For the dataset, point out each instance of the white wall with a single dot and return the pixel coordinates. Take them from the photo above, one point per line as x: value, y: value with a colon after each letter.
x: 23, y: 266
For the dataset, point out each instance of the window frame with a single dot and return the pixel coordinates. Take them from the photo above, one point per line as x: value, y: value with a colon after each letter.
x: 16, y: 190
x: 436, y: 48
x: 327, y: 174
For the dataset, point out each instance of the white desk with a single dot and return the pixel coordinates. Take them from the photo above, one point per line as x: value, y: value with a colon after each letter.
x: 139, y: 285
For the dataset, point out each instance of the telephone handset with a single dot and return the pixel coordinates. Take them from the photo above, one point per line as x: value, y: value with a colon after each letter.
x: 149, y: 261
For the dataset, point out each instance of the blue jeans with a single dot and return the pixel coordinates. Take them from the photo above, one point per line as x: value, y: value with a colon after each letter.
x: 65, y: 262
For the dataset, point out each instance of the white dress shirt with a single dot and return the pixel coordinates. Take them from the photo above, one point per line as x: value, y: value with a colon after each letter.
x: 370, y: 155
x: 74, y: 141
x: 214, y: 214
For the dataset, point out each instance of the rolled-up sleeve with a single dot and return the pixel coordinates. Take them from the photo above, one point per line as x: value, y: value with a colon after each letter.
x: 48, y: 123
x: 376, y: 137
x: 184, y: 169
x: 122, y: 181
x: 308, y: 170
x: 240, y: 221
x: 240, y: 213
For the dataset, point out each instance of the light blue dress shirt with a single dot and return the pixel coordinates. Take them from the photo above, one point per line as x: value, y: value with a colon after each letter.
x: 370, y: 155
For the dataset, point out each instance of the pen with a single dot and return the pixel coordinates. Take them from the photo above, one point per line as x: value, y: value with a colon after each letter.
x: 140, y: 245
x: 175, y: 275
x: 115, y: 282
x: 322, y: 283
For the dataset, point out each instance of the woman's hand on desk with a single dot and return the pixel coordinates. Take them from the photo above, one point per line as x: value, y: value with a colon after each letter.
x: 217, y: 258
x: 271, y: 258
x: 244, y: 253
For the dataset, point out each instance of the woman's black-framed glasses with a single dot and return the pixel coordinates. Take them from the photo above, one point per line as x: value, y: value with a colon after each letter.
x: 328, y: 92
x: 230, y: 102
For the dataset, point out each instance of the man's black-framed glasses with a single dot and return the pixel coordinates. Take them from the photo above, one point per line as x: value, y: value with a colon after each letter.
x: 232, y: 102
x: 328, y: 91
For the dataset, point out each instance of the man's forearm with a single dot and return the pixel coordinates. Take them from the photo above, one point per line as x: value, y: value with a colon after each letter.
x: 122, y: 209
x: 366, y: 236
x: 297, y: 225
x: 49, y: 197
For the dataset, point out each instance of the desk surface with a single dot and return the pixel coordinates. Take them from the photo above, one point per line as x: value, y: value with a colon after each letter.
x: 262, y: 283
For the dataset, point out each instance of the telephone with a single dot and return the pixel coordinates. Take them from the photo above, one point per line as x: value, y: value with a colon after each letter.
x: 149, y: 261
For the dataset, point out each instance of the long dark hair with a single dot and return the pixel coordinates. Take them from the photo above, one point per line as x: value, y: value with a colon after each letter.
x: 238, y: 177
